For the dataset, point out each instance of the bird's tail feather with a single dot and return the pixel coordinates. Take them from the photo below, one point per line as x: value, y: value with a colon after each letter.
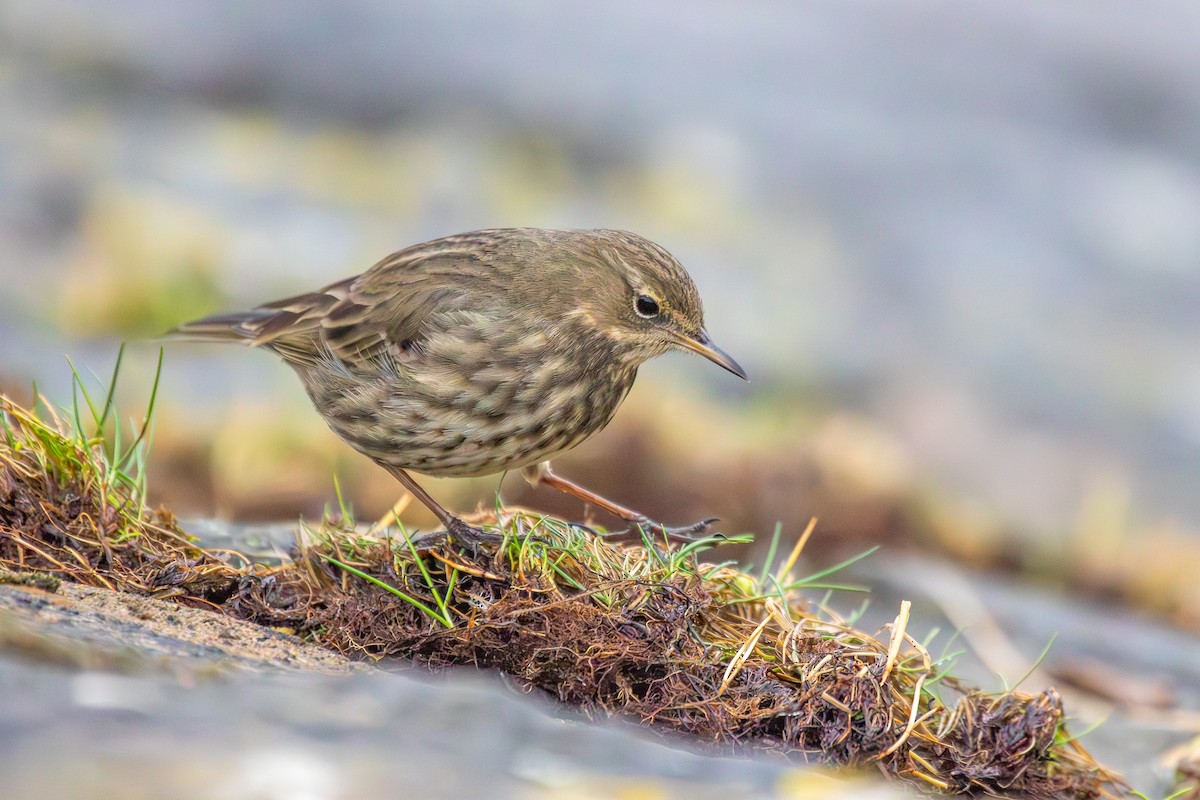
x: 239, y: 326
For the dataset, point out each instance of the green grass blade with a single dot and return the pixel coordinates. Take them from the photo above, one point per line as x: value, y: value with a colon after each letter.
x: 816, y: 576
x: 110, y: 398
x: 1041, y: 657
x: 344, y: 510
x: 120, y: 460
x: 425, y: 609
x: 420, y: 562
x: 76, y: 385
x: 772, y: 551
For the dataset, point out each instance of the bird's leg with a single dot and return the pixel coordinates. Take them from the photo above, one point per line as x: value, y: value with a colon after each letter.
x: 541, y: 474
x: 458, y: 530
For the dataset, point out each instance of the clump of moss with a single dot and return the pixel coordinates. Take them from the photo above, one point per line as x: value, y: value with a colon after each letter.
x: 72, y: 505
x: 36, y: 580
x: 736, y: 660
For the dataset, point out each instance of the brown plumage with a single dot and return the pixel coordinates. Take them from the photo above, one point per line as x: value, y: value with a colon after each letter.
x: 481, y: 352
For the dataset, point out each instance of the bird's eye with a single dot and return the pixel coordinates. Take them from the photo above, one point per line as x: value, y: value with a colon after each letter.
x: 646, y: 306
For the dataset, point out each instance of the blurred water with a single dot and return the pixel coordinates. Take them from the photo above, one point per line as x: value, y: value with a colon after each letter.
x: 976, y: 221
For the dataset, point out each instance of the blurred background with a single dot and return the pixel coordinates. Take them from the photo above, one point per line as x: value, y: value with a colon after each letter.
x: 956, y: 245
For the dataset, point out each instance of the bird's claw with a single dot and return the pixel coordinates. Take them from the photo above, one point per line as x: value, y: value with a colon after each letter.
x: 643, y: 526
x: 640, y: 528
x: 472, y: 538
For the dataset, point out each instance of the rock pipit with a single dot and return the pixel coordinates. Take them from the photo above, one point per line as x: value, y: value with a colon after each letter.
x: 482, y: 352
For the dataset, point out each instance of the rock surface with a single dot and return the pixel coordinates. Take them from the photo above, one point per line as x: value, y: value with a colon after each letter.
x: 107, y: 695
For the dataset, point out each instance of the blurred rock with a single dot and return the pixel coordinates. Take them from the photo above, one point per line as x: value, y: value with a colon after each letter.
x: 117, y: 696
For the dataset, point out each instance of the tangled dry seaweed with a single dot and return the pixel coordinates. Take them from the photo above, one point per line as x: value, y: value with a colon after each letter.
x: 649, y: 632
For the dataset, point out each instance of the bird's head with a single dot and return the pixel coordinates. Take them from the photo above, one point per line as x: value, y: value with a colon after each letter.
x: 638, y: 295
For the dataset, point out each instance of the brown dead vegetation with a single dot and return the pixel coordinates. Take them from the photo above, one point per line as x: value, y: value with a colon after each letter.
x: 734, y: 660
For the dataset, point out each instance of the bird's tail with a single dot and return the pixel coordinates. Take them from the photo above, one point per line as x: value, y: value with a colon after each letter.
x: 240, y: 326
x: 291, y: 327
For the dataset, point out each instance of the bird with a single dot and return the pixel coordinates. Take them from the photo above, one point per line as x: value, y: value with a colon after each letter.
x: 483, y: 352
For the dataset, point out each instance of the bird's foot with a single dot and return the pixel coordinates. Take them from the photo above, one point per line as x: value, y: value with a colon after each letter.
x: 472, y: 538
x: 643, y: 527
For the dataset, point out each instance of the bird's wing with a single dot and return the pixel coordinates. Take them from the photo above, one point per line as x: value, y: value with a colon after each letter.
x: 375, y: 318
x: 379, y: 316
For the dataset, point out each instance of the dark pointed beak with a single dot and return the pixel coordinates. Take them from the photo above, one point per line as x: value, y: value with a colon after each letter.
x: 700, y: 343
